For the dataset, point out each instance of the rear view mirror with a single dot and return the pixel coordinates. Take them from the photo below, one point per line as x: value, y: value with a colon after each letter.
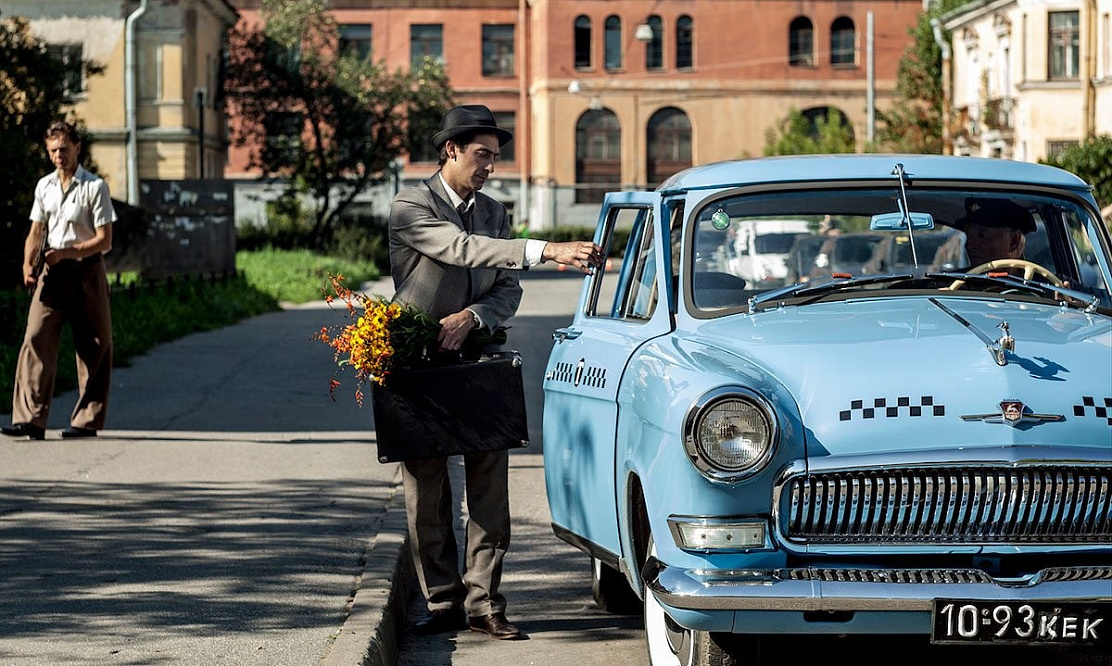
x: 895, y: 222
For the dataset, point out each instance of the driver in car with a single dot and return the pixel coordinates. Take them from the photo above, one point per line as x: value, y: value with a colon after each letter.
x: 995, y: 229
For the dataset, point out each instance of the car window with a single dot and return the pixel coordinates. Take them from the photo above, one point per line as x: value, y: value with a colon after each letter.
x: 627, y: 288
x: 743, y: 245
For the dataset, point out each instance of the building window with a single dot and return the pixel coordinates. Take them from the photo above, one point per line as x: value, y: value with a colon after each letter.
x: 613, y: 36
x: 654, y: 49
x: 498, y: 50
x: 669, y: 141
x: 70, y: 55
x: 801, y: 43
x: 685, y: 32
x: 507, y: 121
x: 582, y: 42
x: 283, y: 137
x: 422, y: 125
x: 843, y: 49
x: 1064, y: 46
x: 1056, y: 148
x: 598, y: 155
x: 355, y: 39
x: 425, y: 41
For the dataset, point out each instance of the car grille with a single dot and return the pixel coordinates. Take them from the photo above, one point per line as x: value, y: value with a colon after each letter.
x: 1041, y: 504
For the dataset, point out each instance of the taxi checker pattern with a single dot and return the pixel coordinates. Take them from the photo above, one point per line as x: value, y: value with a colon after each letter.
x: 579, y: 374
x: 1103, y: 411
x: 880, y: 407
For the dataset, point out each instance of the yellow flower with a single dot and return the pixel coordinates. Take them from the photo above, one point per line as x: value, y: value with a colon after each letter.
x: 384, y: 335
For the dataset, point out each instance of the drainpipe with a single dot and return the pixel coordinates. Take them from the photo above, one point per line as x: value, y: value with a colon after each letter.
x: 130, y: 112
x: 944, y: 47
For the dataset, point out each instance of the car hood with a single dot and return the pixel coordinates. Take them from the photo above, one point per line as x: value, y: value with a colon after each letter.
x: 904, y: 375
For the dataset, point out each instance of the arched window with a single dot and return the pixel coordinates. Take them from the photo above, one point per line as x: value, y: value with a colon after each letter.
x: 828, y: 115
x: 654, y: 48
x: 685, y: 31
x: 582, y: 42
x: 613, y: 44
x: 668, y: 137
x: 843, y: 46
x: 801, y: 43
x: 598, y: 155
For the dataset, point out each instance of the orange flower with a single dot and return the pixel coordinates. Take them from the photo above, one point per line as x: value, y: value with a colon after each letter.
x: 383, y: 335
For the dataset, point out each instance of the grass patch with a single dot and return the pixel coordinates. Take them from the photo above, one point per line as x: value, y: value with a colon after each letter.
x: 147, y: 314
x: 299, y: 276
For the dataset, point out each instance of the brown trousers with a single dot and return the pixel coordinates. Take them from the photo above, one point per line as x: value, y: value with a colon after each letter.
x: 428, y: 504
x: 73, y: 292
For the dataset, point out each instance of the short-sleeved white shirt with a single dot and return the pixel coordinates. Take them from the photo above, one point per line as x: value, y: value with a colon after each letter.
x: 72, y: 218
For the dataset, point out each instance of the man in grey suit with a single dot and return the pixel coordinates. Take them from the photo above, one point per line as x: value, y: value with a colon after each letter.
x: 451, y: 256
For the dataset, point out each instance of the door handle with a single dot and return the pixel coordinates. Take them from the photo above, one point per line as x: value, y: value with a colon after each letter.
x: 562, y: 334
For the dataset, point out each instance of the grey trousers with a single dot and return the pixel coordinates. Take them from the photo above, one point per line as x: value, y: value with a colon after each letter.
x: 73, y: 292
x: 428, y: 505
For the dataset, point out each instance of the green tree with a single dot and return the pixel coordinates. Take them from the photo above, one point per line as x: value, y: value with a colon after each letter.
x: 32, y: 95
x: 799, y: 136
x: 1090, y: 160
x: 328, y: 122
x: 914, y: 123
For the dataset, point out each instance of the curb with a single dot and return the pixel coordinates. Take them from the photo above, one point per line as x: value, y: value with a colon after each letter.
x: 372, y: 631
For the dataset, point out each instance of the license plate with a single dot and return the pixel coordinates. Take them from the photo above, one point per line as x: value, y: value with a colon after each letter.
x: 1044, y: 623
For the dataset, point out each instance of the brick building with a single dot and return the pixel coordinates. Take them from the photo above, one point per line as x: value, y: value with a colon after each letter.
x: 605, y: 94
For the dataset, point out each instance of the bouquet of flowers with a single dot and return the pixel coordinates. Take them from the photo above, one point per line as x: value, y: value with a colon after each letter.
x: 382, y: 335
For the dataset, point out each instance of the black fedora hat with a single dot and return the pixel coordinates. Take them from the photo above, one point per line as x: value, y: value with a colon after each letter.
x: 469, y: 118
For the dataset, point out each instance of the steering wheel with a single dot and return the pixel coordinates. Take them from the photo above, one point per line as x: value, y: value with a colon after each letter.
x: 1030, y: 268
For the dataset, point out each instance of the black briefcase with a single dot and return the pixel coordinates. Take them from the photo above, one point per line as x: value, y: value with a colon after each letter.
x: 451, y: 409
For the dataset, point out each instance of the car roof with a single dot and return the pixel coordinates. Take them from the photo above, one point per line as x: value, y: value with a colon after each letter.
x: 869, y: 166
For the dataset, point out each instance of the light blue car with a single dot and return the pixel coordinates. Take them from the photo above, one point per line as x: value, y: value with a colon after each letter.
x: 925, y: 452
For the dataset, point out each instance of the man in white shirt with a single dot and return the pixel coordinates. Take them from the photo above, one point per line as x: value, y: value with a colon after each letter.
x: 71, y: 229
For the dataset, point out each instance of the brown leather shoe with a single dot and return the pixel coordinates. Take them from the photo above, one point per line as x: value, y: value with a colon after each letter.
x: 440, y: 621
x: 496, y: 625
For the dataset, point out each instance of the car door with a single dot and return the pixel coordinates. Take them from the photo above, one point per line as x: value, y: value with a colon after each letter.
x: 620, y: 307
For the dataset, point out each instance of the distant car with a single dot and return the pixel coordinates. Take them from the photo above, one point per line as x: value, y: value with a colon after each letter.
x: 801, y: 257
x: 761, y: 248
x: 893, y: 253
x: 921, y: 452
x: 844, y: 254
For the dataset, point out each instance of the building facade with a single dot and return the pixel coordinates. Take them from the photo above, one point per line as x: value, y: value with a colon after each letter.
x: 611, y: 94
x: 154, y: 112
x: 1029, y: 78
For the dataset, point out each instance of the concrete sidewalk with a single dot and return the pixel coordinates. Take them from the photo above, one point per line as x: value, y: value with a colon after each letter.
x: 230, y: 513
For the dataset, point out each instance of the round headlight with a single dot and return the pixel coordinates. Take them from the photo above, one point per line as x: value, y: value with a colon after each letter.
x: 730, y: 436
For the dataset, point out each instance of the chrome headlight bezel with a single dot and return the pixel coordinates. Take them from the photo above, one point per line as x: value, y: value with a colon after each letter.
x: 702, y: 457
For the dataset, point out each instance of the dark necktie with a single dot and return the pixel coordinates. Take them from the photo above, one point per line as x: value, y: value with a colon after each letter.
x: 465, y: 213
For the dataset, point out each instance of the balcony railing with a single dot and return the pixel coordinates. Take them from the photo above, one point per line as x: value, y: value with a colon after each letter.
x: 998, y: 113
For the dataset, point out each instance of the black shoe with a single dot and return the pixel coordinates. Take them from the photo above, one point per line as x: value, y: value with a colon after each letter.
x: 24, y: 430
x: 496, y: 626
x: 73, y: 432
x: 440, y: 621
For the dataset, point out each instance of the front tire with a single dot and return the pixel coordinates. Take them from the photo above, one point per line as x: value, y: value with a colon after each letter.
x: 673, y: 645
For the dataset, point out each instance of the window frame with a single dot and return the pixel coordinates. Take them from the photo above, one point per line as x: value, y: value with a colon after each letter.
x: 428, y: 36
x: 495, y: 63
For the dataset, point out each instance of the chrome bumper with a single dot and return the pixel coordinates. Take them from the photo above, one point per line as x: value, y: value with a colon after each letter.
x: 863, y: 589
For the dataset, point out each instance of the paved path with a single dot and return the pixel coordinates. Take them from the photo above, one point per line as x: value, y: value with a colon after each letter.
x: 229, y: 514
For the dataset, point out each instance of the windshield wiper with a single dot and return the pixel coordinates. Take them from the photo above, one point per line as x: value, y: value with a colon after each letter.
x: 812, y: 289
x: 1062, y: 295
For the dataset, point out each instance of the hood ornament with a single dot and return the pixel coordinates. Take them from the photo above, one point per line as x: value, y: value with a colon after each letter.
x: 1005, y: 344
x: 1013, y: 413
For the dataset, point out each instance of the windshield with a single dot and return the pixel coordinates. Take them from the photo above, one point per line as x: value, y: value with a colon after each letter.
x: 747, y: 245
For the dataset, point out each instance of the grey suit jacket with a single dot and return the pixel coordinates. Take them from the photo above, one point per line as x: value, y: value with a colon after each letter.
x: 440, y: 268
